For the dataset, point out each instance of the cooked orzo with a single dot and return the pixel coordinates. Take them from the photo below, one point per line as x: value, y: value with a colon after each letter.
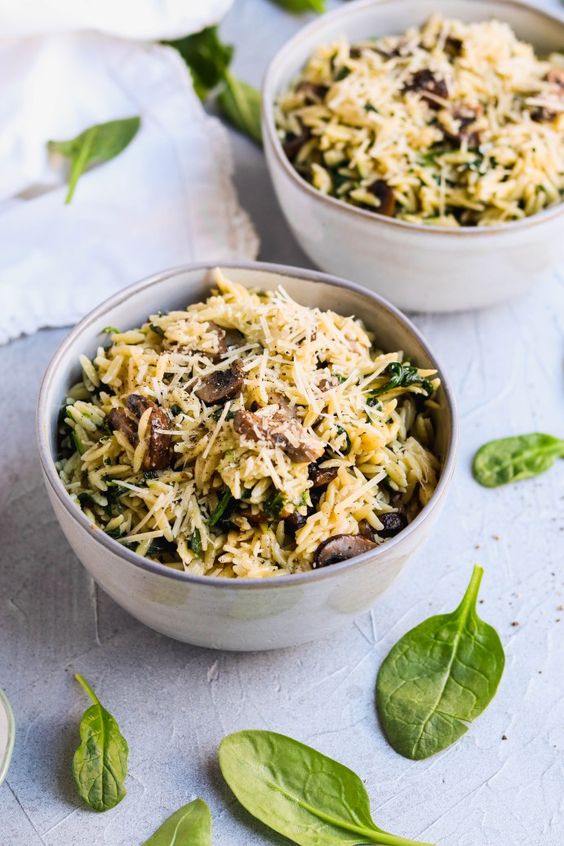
x: 249, y: 436
x: 450, y: 124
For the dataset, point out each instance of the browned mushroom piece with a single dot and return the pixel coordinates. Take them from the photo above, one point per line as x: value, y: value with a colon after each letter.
x: 294, y: 521
x: 366, y: 530
x: 221, y: 385
x: 233, y: 338
x: 465, y: 116
x: 312, y: 91
x: 119, y: 421
x: 159, y: 453
x: 279, y: 430
x: 542, y: 114
x: 556, y: 76
x: 432, y: 88
x: 255, y: 518
x: 393, y: 522
x: 385, y: 195
x: 227, y: 338
x: 340, y: 548
x: 293, y: 143
x: 321, y: 476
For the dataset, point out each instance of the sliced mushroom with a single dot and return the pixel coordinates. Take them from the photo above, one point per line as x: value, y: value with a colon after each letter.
x: 119, y: 421
x: 393, y: 523
x: 542, y: 114
x: 293, y: 143
x: 321, y: 476
x: 159, y: 453
x: 221, y: 385
x: 340, y: 548
x: 457, y: 123
x: 433, y: 89
x: 227, y: 338
x: 294, y: 521
x: 314, y: 93
x: 556, y: 76
x: 279, y: 430
x: 385, y: 195
x: 366, y: 530
x: 255, y: 518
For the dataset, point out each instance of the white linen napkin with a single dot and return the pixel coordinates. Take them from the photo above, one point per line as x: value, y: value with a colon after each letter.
x: 165, y: 200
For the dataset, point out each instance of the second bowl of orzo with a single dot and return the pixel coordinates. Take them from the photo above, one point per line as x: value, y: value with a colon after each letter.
x: 418, y: 147
x: 244, y: 457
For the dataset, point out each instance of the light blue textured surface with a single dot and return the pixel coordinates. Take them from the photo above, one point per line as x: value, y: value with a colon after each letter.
x: 501, y: 785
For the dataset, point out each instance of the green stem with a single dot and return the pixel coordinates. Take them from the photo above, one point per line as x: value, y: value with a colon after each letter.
x: 78, y: 165
x: 84, y: 684
x: 471, y: 594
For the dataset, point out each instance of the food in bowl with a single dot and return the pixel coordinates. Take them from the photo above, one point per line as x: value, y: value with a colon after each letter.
x: 249, y: 436
x: 451, y: 124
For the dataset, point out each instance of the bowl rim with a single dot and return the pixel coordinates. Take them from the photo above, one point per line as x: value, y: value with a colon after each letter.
x: 272, y: 140
x: 43, y: 431
x: 7, y: 756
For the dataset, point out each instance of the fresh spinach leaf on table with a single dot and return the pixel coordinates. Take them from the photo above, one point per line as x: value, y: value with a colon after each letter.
x: 300, y: 793
x: 240, y: 103
x: 207, y: 58
x: 100, y: 763
x: 191, y: 825
x: 519, y: 457
x: 97, y: 144
x: 439, y: 677
x: 298, y: 7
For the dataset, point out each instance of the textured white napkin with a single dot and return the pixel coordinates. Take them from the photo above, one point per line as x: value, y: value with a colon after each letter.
x: 167, y: 199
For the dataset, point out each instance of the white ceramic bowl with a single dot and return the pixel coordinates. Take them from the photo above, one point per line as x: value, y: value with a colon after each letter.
x: 7, y: 735
x: 251, y: 614
x: 426, y: 268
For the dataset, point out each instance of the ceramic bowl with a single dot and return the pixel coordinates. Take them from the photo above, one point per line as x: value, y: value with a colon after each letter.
x: 425, y: 268
x: 7, y: 735
x: 246, y: 614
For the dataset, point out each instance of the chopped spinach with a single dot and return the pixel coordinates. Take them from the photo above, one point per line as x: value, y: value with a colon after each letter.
x: 401, y: 375
x: 220, y: 508
x: 195, y: 542
x: 274, y: 505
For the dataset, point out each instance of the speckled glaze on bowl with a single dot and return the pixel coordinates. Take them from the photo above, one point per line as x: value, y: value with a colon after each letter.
x: 246, y: 614
x: 420, y: 267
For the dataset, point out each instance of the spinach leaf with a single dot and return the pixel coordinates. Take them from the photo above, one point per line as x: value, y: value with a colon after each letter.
x: 274, y: 505
x: 300, y: 6
x: 520, y: 457
x: 195, y: 542
x: 220, y: 508
x: 189, y: 826
x: 401, y: 375
x: 439, y: 677
x: 240, y: 104
x: 98, y: 143
x: 300, y: 793
x: 348, y: 444
x: 100, y: 763
x: 207, y: 58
